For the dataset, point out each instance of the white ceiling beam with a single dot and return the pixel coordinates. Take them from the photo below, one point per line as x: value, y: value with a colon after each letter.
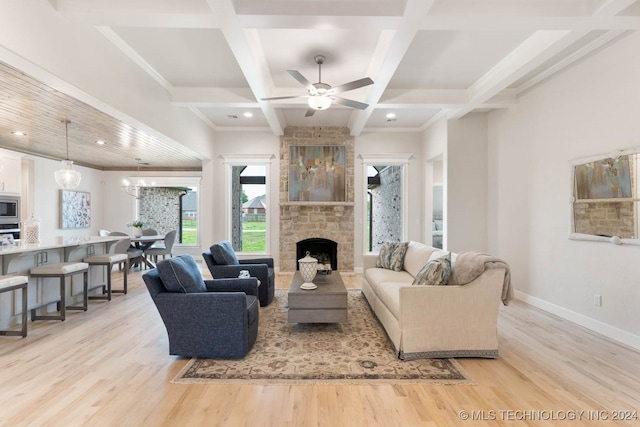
x: 150, y: 19
x: 246, y: 48
x: 531, y: 53
x: 569, y: 59
x: 134, y: 56
x: 213, y: 97
x: 414, y: 12
x: 528, y: 23
x: 139, y: 19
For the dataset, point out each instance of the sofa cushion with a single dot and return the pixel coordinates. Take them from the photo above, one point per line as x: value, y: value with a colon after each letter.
x: 391, y: 255
x: 417, y: 256
x: 389, y: 294
x: 223, y: 253
x: 435, y: 272
x: 378, y: 276
x: 181, y: 274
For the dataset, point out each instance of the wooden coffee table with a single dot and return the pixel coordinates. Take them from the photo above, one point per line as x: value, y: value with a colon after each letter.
x: 325, y: 304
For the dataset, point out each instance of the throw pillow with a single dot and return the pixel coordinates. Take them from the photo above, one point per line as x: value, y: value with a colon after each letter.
x: 391, y: 255
x: 223, y: 253
x: 434, y: 273
x: 181, y: 274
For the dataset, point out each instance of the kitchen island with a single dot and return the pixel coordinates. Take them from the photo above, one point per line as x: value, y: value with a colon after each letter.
x: 19, y: 258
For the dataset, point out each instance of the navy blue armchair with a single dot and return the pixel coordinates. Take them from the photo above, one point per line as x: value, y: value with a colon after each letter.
x: 204, y: 318
x: 223, y: 263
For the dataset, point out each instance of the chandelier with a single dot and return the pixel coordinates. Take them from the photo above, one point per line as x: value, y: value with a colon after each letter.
x: 134, y: 190
x: 66, y: 177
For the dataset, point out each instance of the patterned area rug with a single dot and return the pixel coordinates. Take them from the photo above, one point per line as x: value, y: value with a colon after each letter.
x: 357, y: 352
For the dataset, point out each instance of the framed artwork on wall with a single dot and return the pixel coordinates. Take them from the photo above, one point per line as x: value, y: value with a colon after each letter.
x: 317, y: 173
x: 75, y: 209
x: 607, y: 178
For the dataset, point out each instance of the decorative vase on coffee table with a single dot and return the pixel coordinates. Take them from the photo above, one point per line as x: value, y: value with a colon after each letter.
x: 308, y: 269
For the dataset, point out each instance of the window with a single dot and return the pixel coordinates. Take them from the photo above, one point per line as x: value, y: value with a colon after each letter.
x: 385, y: 199
x: 249, y: 209
x: 247, y: 202
x: 178, y: 197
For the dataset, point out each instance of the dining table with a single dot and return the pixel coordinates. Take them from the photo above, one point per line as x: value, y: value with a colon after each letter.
x: 152, y: 238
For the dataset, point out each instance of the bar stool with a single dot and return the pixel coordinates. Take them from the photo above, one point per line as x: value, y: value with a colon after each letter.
x: 62, y: 271
x: 117, y: 255
x: 13, y: 283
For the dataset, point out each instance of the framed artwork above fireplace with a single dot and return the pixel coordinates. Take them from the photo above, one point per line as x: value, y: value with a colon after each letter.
x: 317, y: 173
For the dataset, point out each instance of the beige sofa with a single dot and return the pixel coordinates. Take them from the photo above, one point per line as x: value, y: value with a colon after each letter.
x: 437, y: 321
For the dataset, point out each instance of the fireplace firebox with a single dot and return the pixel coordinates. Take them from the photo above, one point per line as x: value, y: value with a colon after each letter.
x: 324, y: 250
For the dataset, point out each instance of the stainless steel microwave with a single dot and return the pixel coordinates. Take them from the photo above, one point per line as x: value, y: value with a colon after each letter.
x: 9, y: 209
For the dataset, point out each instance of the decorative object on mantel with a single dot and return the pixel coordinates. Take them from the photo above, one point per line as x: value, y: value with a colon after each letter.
x: 308, y: 270
x: 134, y: 190
x: 137, y: 227
x: 317, y: 173
x: 31, y: 231
x: 356, y: 352
x: 66, y: 177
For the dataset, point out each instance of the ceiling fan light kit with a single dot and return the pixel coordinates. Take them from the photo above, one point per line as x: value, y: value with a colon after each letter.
x: 319, y: 102
x: 322, y: 95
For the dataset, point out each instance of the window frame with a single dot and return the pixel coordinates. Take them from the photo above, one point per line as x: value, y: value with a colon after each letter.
x: 231, y: 160
x: 398, y: 159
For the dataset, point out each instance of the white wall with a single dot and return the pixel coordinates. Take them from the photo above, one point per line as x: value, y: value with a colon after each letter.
x: 590, y: 109
x: 466, y: 184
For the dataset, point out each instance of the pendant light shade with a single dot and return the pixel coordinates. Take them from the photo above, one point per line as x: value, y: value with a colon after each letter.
x: 67, y: 178
x: 134, y: 190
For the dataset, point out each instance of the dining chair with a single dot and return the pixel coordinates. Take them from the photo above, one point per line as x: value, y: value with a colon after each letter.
x: 147, y: 232
x: 104, y: 233
x: 164, y: 250
x: 134, y: 254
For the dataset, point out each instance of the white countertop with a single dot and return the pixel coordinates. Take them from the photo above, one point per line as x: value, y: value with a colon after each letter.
x: 56, y: 243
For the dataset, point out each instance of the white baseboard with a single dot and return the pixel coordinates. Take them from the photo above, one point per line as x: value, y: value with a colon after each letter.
x: 609, y: 331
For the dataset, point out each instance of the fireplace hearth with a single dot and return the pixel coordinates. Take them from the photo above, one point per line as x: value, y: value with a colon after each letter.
x: 324, y: 250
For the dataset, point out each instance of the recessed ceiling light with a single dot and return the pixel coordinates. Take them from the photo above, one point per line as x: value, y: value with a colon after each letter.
x: 100, y: 142
x: 19, y: 133
x: 391, y: 116
x: 248, y: 114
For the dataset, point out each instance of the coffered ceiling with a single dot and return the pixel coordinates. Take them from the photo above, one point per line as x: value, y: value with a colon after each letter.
x: 216, y: 59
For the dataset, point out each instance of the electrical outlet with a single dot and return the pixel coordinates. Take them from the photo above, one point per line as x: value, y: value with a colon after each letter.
x: 597, y: 300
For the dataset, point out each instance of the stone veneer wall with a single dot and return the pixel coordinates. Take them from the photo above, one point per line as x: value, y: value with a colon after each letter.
x: 160, y: 209
x: 328, y: 220
x: 387, y: 208
x: 605, y: 219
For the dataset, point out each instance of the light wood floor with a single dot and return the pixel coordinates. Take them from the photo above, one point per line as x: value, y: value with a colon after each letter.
x: 110, y: 367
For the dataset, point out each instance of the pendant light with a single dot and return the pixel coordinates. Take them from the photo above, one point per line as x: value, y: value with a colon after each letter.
x: 66, y: 177
x: 134, y: 190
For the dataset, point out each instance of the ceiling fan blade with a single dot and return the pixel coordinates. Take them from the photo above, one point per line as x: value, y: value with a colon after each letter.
x: 282, y: 97
x: 350, y: 103
x: 352, y: 85
x: 301, y: 79
x: 310, y: 112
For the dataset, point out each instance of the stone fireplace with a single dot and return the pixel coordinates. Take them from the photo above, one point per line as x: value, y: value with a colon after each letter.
x: 333, y: 221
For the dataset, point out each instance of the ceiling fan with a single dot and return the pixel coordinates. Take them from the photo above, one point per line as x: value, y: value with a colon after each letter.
x: 321, y: 95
